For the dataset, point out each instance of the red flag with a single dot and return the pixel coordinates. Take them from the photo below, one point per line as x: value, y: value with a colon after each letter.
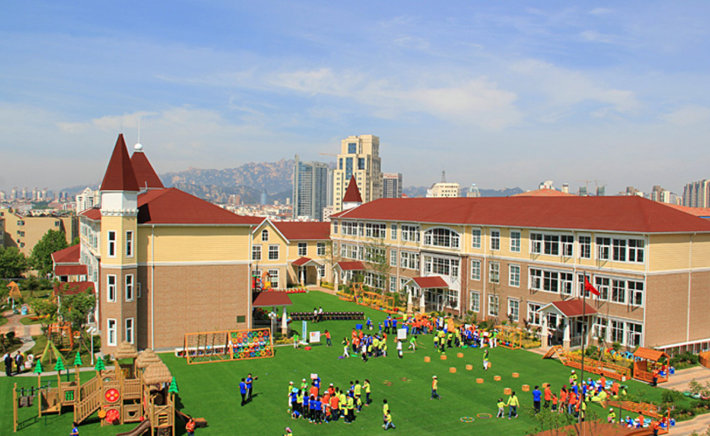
x: 588, y: 287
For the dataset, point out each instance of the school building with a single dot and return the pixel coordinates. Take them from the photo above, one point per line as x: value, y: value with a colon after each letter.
x: 523, y: 260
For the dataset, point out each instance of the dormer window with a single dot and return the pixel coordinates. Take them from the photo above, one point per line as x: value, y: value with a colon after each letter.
x: 265, y: 235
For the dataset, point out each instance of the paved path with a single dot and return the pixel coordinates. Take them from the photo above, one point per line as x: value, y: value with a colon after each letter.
x: 21, y: 331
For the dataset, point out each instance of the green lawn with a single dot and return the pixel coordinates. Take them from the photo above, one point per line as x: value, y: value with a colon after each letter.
x: 211, y: 390
x: 29, y: 321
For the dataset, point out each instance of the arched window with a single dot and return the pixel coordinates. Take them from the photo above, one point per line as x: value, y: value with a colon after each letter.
x: 439, y: 237
x: 264, y: 235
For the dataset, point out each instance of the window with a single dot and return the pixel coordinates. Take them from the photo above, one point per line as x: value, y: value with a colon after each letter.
x: 129, y: 287
x: 349, y: 228
x: 566, y: 283
x: 440, y: 265
x: 129, y: 244
x: 475, y: 302
x: 335, y: 227
x: 321, y: 270
x: 493, y: 305
x: 409, y: 260
x: 441, y: 238
x: 361, y: 163
x: 475, y: 270
x: 256, y: 252
x: 534, y: 314
x: 451, y: 298
x: 393, y: 232
x: 515, y: 241
x: 602, y: 285
x: 619, y: 250
x: 393, y: 257
x: 494, y: 272
x: 476, y: 238
x: 603, y: 248
x: 550, y: 281
x: 599, y: 329
x: 302, y: 249
x: 376, y: 255
x: 551, y: 245
x: 375, y: 230
x: 111, y: 288
x: 535, y: 243
x: 128, y: 336
x: 585, y: 247
x: 567, y: 245
x: 111, y: 324
x: 635, y: 293
x: 360, y: 229
x: 410, y: 233
x: 265, y: 235
x: 617, y: 331
x: 636, y: 250
x: 495, y: 239
x: 393, y: 284
x: 111, y: 243
x: 514, y: 275
x: 375, y: 280
x: 274, y: 278
x: 514, y: 310
x: 352, y: 148
x: 633, y: 334
x: 320, y: 248
x: 618, y: 291
x: 273, y: 252
x: 535, y: 279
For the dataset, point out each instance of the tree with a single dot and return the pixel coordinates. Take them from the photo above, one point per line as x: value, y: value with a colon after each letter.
x: 75, y: 241
x: 75, y: 308
x: 41, y: 257
x: 378, y: 262
x: 45, y: 309
x: 12, y: 262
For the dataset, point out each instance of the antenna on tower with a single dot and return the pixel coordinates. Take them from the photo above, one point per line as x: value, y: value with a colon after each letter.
x: 443, y: 176
x: 139, y: 128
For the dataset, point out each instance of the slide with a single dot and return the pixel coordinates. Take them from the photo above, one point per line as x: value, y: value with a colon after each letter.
x: 142, y: 428
x: 199, y: 422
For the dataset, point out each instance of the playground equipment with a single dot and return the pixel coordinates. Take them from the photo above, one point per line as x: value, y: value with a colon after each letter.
x: 228, y: 345
x: 510, y: 337
x: 375, y: 300
x: 592, y: 366
x: 645, y: 361
x: 61, y: 335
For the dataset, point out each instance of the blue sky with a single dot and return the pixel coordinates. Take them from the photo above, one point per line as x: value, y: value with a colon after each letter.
x: 501, y: 94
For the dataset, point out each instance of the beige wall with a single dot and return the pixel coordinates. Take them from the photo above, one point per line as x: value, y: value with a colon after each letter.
x: 34, y: 228
x: 180, y: 244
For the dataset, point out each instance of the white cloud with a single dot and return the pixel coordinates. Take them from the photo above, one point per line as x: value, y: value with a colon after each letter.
x: 601, y: 11
x: 688, y: 115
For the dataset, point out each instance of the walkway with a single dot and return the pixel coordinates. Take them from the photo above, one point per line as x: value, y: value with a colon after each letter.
x: 23, y: 332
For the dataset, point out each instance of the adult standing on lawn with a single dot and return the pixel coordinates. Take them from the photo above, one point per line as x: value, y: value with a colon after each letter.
x: 250, y: 387
x: 537, y: 395
x: 243, y: 390
x: 548, y: 396
x: 513, y: 404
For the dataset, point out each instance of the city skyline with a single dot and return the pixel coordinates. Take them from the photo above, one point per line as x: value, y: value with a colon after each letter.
x: 500, y: 94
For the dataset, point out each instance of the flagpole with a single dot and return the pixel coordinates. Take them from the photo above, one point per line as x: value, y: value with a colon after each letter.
x: 584, y: 315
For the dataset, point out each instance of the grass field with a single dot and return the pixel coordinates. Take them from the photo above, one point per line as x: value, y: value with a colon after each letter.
x: 211, y: 390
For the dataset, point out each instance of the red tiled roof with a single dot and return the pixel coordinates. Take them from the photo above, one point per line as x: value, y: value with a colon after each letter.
x: 303, y: 261
x: 352, y: 195
x: 67, y: 255
x: 351, y: 266
x: 271, y: 298
x: 93, y: 214
x: 702, y: 212
x: 72, y: 288
x: 622, y: 213
x: 430, y: 282
x: 70, y: 270
x: 173, y: 206
x: 119, y: 174
x: 573, y: 307
x: 303, y: 230
x: 145, y: 174
x: 543, y: 193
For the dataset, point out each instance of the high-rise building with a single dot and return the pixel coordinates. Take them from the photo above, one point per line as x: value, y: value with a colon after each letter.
x: 697, y: 194
x: 87, y: 199
x: 443, y: 189
x: 473, y: 191
x: 360, y: 157
x: 391, y: 185
x: 310, y: 189
x: 660, y: 195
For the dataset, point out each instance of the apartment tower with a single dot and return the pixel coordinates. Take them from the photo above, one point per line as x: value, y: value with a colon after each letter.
x: 310, y: 189
x: 359, y: 158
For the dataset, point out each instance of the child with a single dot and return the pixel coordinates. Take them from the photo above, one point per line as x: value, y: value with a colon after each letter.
x: 346, y: 345
x: 327, y: 339
x: 399, y: 348
x: 388, y: 421
x: 554, y: 402
x: 485, y: 360
x: 75, y: 429
x: 501, y: 408
x: 189, y: 427
x: 413, y: 343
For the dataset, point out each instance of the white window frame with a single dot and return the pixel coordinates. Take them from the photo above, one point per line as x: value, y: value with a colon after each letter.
x: 320, y: 248
x: 256, y: 252
x: 335, y: 227
x: 274, y: 277
x: 265, y: 235
x: 495, y: 239
x: 393, y: 283
x: 603, y: 245
x: 128, y: 283
x: 567, y: 245
x: 111, y: 332
x: 534, y: 314
x: 129, y: 243
x: 393, y: 231
x: 636, y: 292
x: 514, y: 309
x: 303, y: 249
x: 475, y: 238
x: 475, y: 302
x: 393, y: 257
x: 129, y: 330
x: 585, y: 247
x: 493, y: 303
x: 111, y: 288
x: 111, y: 247
x: 273, y: 251
x: 514, y: 276
x: 476, y: 270
x: 515, y: 238
x: 494, y: 272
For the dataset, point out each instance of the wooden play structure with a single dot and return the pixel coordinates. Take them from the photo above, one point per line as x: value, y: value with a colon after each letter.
x: 646, y: 409
x: 227, y: 345
x: 383, y: 301
x: 592, y: 366
x: 61, y: 335
x: 510, y: 337
x: 645, y: 361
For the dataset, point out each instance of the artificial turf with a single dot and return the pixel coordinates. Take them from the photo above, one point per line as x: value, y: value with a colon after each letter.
x: 211, y: 390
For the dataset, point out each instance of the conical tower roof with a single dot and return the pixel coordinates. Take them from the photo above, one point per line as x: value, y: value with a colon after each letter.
x: 145, y: 174
x: 352, y: 195
x: 119, y: 175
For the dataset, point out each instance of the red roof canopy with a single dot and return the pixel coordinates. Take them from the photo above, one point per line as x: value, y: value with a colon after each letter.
x: 430, y: 282
x: 119, y: 174
x: 351, y: 266
x: 623, y: 213
x: 352, y: 195
x: 70, y: 270
x: 67, y: 255
x: 301, y: 261
x: 145, y: 174
x: 572, y: 308
x: 271, y: 298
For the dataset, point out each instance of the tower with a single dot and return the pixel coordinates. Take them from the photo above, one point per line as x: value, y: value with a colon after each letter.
x: 359, y: 158
x: 310, y: 189
x: 118, y: 309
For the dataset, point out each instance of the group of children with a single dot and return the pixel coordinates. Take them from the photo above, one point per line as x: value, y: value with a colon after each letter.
x: 318, y: 407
